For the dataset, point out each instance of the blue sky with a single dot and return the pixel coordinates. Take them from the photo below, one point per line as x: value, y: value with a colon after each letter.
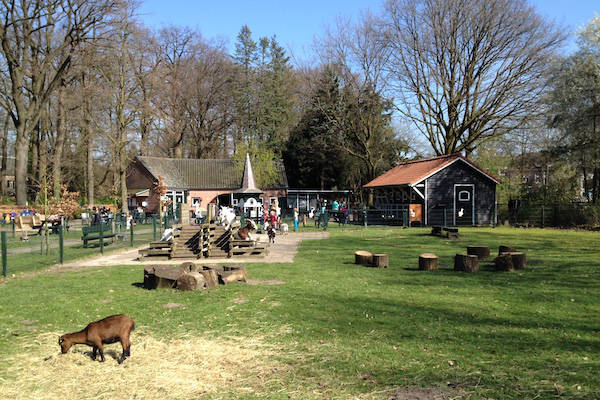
x: 295, y: 23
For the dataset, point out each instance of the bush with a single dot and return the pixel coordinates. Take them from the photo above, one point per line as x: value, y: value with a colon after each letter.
x: 77, y: 214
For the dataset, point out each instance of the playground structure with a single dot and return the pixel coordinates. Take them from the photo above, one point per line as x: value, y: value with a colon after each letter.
x: 203, y: 241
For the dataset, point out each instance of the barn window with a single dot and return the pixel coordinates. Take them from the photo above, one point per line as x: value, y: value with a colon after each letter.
x: 464, y: 195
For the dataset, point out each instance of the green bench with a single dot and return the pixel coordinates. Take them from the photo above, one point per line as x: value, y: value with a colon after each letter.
x: 90, y: 233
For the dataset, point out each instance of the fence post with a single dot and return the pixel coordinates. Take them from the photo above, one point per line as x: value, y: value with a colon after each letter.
x: 154, y: 227
x: 445, y: 218
x: 101, y: 238
x: 61, y: 244
x: 365, y: 215
x: 131, y: 233
x: 405, y: 218
x: 13, y: 228
x: 4, y: 266
x: 543, y: 216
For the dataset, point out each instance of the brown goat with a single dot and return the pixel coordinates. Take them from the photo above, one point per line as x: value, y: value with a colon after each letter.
x: 108, y: 330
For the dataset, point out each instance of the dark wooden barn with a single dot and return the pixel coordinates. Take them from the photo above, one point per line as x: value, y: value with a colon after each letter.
x: 447, y: 190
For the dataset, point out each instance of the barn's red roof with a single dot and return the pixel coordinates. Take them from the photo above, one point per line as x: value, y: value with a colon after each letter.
x: 413, y: 172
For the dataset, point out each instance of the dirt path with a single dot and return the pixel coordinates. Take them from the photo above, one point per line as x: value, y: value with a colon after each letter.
x: 283, y: 251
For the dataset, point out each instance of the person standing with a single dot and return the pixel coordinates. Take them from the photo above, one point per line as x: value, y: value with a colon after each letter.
x: 295, y: 219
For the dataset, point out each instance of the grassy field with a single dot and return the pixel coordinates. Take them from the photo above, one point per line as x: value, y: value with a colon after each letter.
x: 332, y: 330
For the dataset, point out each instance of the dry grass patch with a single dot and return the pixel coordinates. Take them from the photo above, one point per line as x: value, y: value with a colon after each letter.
x: 187, y: 368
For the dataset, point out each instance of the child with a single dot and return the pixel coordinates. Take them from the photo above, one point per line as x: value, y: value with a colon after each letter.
x: 296, y: 219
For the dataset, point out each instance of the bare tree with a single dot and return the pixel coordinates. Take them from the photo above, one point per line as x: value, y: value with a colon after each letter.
x: 467, y: 70
x: 38, y: 38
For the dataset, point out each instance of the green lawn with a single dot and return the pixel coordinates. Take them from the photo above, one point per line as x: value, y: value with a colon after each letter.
x: 339, y: 330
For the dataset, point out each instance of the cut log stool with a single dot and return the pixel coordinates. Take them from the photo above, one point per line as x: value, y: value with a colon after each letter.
x: 191, y: 281
x: 505, y: 249
x: 436, y: 230
x: 466, y: 263
x: 428, y: 261
x: 504, y: 262
x: 381, y: 260
x: 482, y: 252
x: 363, y: 257
x: 518, y: 259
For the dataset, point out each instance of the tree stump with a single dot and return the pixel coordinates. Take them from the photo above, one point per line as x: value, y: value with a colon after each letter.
x: 503, y: 262
x: 237, y: 267
x: 428, y: 261
x: 150, y: 280
x: 210, y: 276
x: 482, y: 252
x: 161, y: 276
x: 505, y: 249
x: 518, y: 259
x: 381, y: 260
x: 363, y: 257
x: 436, y: 230
x: 466, y: 263
x: 191, y: 281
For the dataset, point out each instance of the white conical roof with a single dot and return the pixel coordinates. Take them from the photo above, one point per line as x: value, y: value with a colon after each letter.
x: 248, y: 183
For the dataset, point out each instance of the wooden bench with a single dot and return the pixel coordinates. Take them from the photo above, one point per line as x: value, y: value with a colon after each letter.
x: 93, y: 233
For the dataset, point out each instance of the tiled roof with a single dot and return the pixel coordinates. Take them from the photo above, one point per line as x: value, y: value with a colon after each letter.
x: 183, y: 173
x: 413, y: 172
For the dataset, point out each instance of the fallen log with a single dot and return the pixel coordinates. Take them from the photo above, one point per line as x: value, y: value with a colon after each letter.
x: 191, y: 281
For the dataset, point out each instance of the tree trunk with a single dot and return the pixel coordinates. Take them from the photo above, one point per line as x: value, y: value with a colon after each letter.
x: 21, y: 158
x: 381, y: 260
x: 58, y: 147
x: 4, y: 165
x: 35, y: 148
x: 482, y: 252
x: 89, y: 162
x: 123, y: 178
x: 191, y: 281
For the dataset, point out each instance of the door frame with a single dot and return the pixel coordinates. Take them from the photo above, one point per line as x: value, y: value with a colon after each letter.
x: 472, y: 185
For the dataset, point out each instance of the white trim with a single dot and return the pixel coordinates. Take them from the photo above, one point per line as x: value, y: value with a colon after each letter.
x: 452, y: 162
x: 425, y: 203
x: 419, y: 193
x: 472, y: 203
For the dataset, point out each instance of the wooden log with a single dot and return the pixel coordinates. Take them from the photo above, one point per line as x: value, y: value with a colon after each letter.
x: 466, y: 263
x: 189, y: 267
x: 234, y: 267
x: 428, y: 261
x: 436, y: 230
x: 211, y: 278
x: 191, y: 281
x: 363, y: 257
x: 226, y: 277
x: 504, y: 262
x: 505, y: 249
x: 451, y: 233
x: 518, y: 258
x: 381, y: 260
x: 482, y: 252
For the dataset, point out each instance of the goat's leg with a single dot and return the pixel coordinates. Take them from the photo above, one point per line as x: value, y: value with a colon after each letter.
x: 101, y: 351
x: 94, y: 353
x: 126, y: 344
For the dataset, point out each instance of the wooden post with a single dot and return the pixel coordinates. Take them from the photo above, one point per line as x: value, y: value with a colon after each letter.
x: 381, y: 260
x: 101, y: 238
x: 482, y: 252
x: 13, y: 228
x: 154, y: 227
x: 131, y: 233
x: 4, y: 266
x: 428, y: 261
x: 61, y: 244
x: 466, y: 263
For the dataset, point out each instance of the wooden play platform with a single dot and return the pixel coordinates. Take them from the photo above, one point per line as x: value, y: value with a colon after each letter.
x: 203, y: 241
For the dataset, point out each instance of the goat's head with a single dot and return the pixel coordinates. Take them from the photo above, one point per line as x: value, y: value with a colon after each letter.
x: 65, y: 344
x: 251, y: 225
